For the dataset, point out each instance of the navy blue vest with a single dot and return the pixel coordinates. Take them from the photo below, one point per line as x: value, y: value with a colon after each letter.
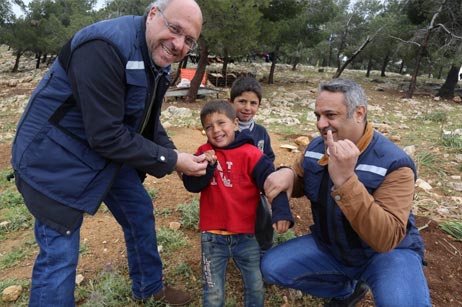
x: 331, y: 229
x: 50, y: 151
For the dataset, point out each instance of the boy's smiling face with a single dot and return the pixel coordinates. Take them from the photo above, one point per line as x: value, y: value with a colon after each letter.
x: 220, y: 129
x: 246, y: 105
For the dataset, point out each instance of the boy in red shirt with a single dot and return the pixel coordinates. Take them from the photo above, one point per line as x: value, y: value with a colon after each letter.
x: 230, y: 192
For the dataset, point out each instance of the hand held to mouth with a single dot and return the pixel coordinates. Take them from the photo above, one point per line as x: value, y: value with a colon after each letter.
x: 343, y: 155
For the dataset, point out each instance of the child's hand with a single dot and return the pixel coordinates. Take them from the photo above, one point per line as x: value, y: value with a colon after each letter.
x: 210, y: 156
x: 281, y: 226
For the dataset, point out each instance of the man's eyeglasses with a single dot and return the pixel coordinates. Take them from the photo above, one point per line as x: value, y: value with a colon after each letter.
x: 176, y: 30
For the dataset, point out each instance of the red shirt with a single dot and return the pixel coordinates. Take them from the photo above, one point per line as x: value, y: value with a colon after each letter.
x: 230, y: 201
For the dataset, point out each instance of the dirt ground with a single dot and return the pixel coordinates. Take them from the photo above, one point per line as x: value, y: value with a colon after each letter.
x: 105, y: 243
x: 105, y: 240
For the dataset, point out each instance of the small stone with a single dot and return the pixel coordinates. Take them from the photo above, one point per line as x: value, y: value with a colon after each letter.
x: 423, y: 184
x: 410, y: 150
x: 288, y: 146
x: 174, y: 225
x: 4, y: 224
x: 11, y: 293
x: 78, y: 279
x: 456, y: 186
x: 302, y: 141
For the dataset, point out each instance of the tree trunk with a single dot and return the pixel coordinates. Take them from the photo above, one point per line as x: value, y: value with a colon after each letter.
x: 401, y: 67
x: 274, y: 59
x: 353, y: 56
x: 295, y: 62
x: 369, y: 67
x: 329, y: 56
x: 178, y: 71
x: 386, y: 60
x: 440, y: 72
x: 201, y: 66
x: 16, y: 62
x: 38, y: 57
x: 447, y: 89
x: 224, y: 67
x: 422, y: 53
x: 341, y: 48
x: 44, y: 58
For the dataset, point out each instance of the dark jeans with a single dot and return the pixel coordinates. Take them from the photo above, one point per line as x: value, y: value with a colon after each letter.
x: 53, y: 278
x: 396, y: 278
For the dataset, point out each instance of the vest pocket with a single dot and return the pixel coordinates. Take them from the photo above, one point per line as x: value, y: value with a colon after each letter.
x: 59, y: 165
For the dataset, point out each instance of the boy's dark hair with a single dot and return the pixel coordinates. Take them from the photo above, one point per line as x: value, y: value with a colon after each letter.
x: 218, y: 106
x: 246, y: 84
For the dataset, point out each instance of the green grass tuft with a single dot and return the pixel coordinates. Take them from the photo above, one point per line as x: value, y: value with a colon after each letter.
x: 453, y: 228
x: 190, y: 214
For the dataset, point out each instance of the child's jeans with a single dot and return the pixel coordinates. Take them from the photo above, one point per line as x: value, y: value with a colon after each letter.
x: 217, y: 250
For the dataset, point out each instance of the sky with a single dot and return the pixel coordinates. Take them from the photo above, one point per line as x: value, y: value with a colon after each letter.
x: 18, y: 12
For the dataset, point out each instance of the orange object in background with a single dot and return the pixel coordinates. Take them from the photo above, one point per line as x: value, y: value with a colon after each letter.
x: 188, y: 73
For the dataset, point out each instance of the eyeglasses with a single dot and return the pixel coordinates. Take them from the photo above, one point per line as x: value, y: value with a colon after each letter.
x: 176, y: 30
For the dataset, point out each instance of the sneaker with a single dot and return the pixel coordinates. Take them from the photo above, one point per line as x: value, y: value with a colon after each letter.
x: 351, y: 301
x: 170, y: 296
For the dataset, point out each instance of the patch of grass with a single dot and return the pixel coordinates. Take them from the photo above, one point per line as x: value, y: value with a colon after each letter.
x: 4, y: 175
x: 11, y: 198
x: 437, y: 117
x: 17, y: 217
x: 104, y: 209
x: 453, y: 228
x: 164, y: 212
x: 283, y: 237
x: 83, y: 249
x: 426, y: 159
x: 190, y: 214
x: 171, y: 240
x: 452, y: 142
x: 12, y: 258
x: 427, y: 162
x: 111, y: 288
x: 182, y: 269
x: 153, y: 193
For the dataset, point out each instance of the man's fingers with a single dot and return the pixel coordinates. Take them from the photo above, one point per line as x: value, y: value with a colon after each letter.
x: 329, y: 142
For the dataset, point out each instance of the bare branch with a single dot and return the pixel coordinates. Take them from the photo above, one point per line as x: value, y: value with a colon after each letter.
x: 447, y: 31
x: 406, y: 42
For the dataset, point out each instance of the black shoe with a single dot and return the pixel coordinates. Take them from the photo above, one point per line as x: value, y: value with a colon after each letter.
x: 351, y: 301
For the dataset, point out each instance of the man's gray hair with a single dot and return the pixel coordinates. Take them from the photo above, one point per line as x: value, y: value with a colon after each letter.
x: 352, y: 91
x: 161, y: 4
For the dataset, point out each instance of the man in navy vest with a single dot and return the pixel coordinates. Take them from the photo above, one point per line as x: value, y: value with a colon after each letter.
x: 360, y: 186
x: 91, y: 132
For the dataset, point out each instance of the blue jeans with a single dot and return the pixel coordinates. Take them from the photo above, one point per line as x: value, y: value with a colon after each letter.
x: 53, y: 277
x: 395, y: 278
x: 216, y: 252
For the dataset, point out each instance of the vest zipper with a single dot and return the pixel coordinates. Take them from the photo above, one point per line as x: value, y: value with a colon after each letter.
x: 151, y: 103
x: 335, y: 227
